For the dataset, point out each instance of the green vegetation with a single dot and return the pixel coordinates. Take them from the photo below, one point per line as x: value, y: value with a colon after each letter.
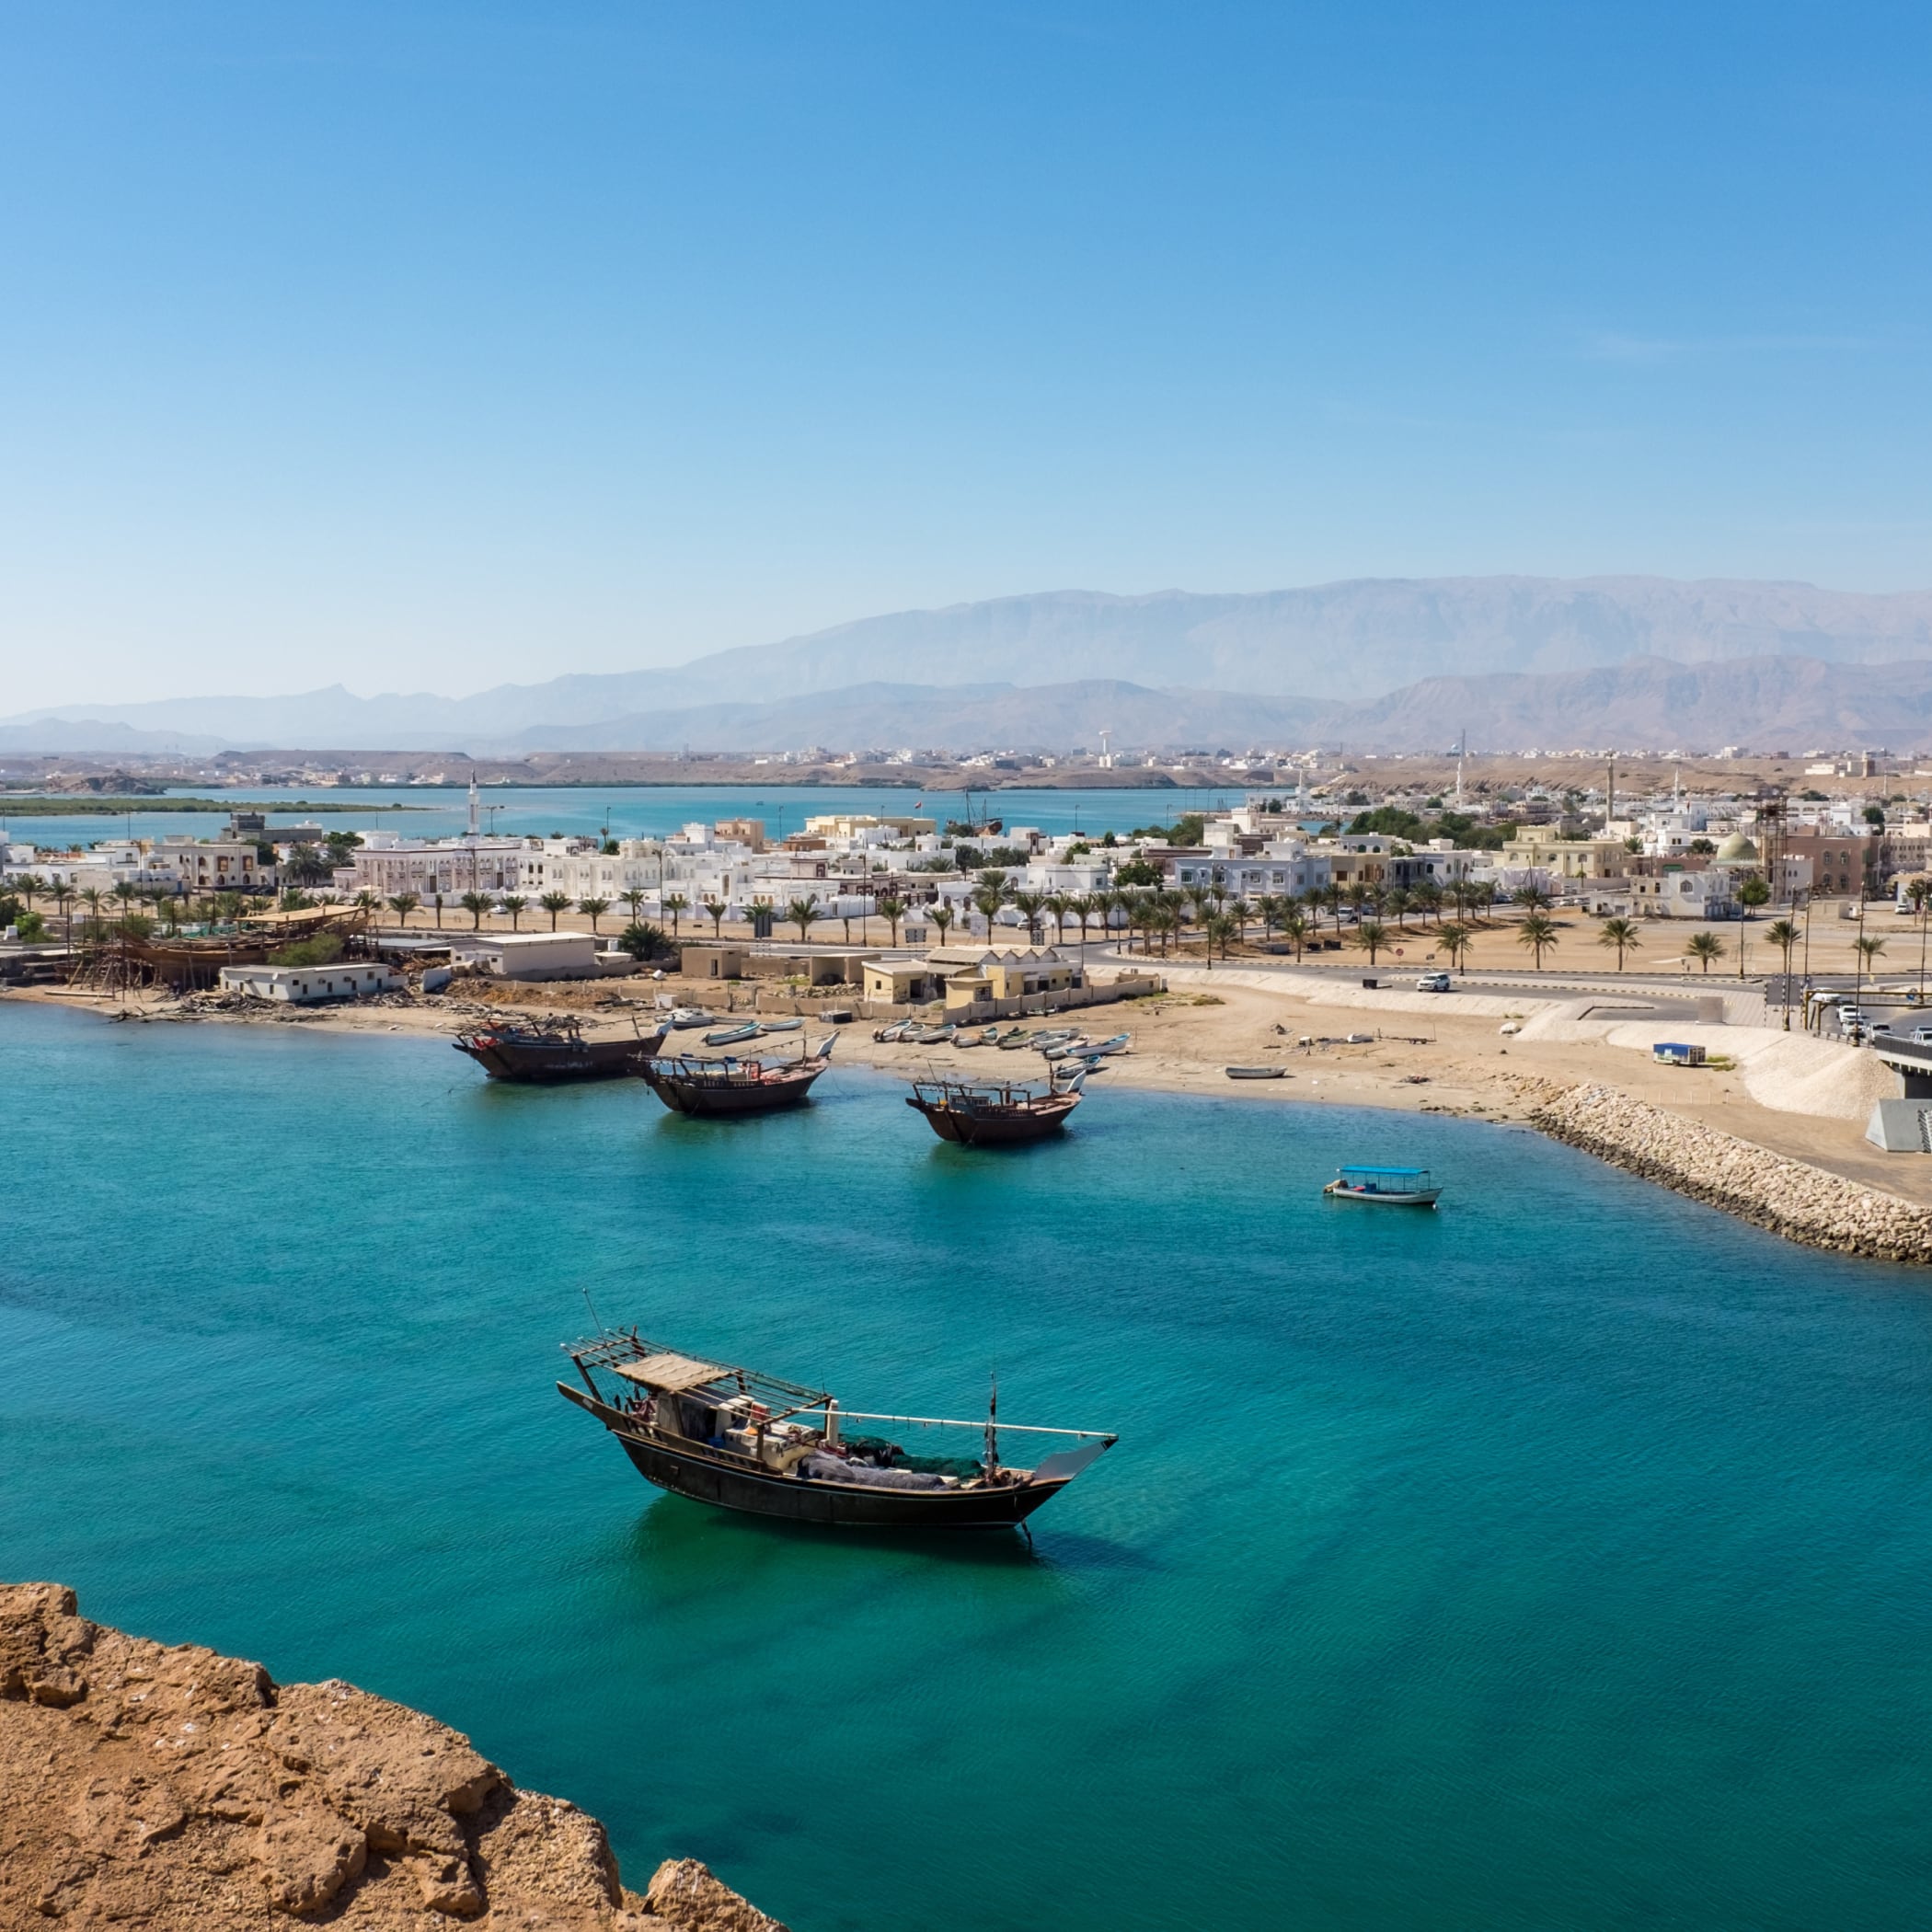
x: 1187, y: 830
x: 1393, y: 821
x: 1704, y: 947
x: 324, y: 950
x: 642, y: 940
x: 1138, y: 872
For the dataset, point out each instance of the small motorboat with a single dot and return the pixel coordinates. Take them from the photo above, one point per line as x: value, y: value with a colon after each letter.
x: 780, y: 1026
x: 929, y: 1036
x: 744, y: 1441
x: 683, y: 1017
x: 730, y: 1036
x: 1013, y: 1039
x: 1064, y: 1049
x: 1118, y: 1044
x: 1385, y: 1187
x: 1255, y: 1073
x: 892, y: 1030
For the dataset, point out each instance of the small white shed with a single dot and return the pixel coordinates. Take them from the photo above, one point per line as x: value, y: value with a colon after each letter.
x: 529, y: 956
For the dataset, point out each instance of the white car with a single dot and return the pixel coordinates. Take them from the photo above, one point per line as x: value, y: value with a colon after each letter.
x: 1920, y: 1036
x: 1433, y: 982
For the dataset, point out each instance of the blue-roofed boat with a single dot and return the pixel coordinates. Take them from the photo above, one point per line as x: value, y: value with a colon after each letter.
x: 1385, y: 1187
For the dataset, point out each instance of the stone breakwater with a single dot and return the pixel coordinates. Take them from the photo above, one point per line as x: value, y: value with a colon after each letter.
x: 178, y: 1790
x: 1802, y: 1203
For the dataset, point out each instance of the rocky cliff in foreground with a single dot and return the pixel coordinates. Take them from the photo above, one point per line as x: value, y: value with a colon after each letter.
x: 170, y: 1789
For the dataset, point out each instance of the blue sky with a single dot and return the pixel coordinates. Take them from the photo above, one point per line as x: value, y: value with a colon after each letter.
x: 426, y: 346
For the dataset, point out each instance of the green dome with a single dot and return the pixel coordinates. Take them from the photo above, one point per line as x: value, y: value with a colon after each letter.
x: 1737, y: 850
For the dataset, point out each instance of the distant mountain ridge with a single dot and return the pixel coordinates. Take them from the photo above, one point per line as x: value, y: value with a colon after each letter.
x: 1293, y: 655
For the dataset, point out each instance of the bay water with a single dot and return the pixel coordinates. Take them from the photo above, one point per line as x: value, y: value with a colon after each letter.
x: 1561, y: 1559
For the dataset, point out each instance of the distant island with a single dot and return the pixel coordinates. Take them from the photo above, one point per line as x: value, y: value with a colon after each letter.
x: 89, y: 804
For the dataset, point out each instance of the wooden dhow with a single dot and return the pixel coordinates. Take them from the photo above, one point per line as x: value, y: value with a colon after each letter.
x: 549, y: 1051
x: 713, y: 1089
x: 995, y: 1113
x: 767, y: 1447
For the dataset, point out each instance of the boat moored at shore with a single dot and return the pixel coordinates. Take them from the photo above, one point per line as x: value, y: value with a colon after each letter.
x: 995, y: 1113
x: 713, y: 1089
x: 546, y: 1052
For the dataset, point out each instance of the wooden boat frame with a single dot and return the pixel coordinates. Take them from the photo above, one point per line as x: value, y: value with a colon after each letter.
x: 711, y: 1472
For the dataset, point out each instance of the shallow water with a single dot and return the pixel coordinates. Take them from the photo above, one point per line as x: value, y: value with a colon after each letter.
x: 634, y: 812
x: 1558, y: 1560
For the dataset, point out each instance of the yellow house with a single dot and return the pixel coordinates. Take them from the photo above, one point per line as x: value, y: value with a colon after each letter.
x: 1567, y: 857
x: 970, y: 977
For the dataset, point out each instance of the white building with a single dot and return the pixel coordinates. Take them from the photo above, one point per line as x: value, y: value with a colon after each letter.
x: 529, y: 956
x: 308, y: 985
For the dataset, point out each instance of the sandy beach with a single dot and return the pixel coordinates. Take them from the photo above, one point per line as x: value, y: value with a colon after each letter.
x: 1487, y: 1053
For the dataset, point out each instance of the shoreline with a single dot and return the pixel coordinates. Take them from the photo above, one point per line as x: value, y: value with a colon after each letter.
x: 1804, y: 1176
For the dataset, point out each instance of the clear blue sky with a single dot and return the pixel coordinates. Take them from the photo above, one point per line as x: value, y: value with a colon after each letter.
x: 426, y: 345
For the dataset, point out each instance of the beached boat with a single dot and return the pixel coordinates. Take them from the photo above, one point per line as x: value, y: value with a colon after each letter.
x: 684, y: 1016
x: 929, y: 1036
x: 711, y: 1089
x: 1385, y: 1187
x: 780, y: 1026
x: 1118, y: 1044
x: 1064, y: 1049
x: 730, y: 1036
x: 549, y: 1051
x: 1254, y: 1073
x: 1013, y: 1040
x: 750, y: 1442
x: 892, y: 1030
x: 994, y: 1113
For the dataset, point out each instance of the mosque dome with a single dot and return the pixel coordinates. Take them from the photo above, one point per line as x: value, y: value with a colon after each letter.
x: 1737, y: 850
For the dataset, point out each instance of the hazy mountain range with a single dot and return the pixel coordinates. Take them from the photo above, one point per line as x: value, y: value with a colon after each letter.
x: 1382, y: 663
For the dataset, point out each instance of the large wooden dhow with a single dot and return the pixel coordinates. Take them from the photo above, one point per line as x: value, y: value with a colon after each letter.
x: 995, y: 1114
x: 546, y: 1052
x: 754, y: 1442
x: 192, y: 961
x: 690, y: 1083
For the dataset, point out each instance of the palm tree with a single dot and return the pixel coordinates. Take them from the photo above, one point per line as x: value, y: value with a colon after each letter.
x: 715, y: 910
x: 1427, y: 898
x: 1058, y: 906
x: 891, y: 909
x: 1332, y: 896
x: 1538, y: 932
x: 801, y: 911
x: 368, y: 904
x: 1454, y: 939
x: 437, y: 898
x: 28, y: 884
x: 515, y: 906
x: 404, y: 904
x: 634, y: 899
x: 1293, y: 927
x: 475, y: 905
x: 1373, y: 935
x: 1752, y: 892
x: 553, y: 903
x: 1080, y: 908
x: 593, y: 910
x: 1400, y: 901
x: 941, y: 916
x: 675, y: 903
x: 1357, y: 894
x: 1867, y: 947
x: 1704, y: 948
x: 1918, y: 896
x: 1532, y: 896
x: 1029, y: 906
x: 988, y: 900
x: 1218, y: 926
x: 1784, y: 934
x: 1623, y: 935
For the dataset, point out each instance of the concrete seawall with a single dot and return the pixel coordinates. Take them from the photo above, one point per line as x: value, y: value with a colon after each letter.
x: 1801, y: 1202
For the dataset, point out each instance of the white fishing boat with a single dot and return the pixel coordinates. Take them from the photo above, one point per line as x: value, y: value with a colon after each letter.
x: 780, y: 1026
x: 1385, y: 1187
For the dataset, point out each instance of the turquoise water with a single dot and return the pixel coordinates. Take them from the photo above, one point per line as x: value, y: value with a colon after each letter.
x: 643, y: 812
x: 1560, y: 1561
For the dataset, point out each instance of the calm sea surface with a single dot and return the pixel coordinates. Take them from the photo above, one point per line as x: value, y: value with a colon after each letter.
x: 1560, y: 1561
x: 639, y: 812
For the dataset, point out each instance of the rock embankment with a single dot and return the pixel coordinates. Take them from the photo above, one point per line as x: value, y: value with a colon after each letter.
x: 176, y: 1791
x: 1800, y: 1203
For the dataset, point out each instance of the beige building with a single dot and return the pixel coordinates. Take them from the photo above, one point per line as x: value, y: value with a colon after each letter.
x: 971, y: 978
x: 1536, y: 845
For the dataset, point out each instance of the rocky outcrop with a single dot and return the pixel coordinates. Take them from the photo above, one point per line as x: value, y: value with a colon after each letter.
x: 172, y: 1789
x: 1800, y: 1203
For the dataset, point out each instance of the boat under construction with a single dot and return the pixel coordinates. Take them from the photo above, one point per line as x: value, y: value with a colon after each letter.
x: 995, y: 1113
x: 709, y: 1089
x: 754, y: 1442
x: 546, y: 1052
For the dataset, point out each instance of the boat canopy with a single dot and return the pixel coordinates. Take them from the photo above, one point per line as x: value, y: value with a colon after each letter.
x: 671, y: 1373
x: 1388, y: 1173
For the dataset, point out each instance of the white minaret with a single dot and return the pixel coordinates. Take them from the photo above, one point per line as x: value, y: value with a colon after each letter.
x: 1462, y: 752
x: 475, y: 810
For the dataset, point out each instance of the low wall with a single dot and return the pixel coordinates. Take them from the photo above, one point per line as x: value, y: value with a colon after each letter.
x: 1801, y: 1202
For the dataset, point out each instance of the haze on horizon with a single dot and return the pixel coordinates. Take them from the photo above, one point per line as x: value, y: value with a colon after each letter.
x: 427, y: 346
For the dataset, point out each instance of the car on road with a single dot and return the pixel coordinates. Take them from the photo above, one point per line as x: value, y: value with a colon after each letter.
x: 1433, y: 982
x: 1920, y: 1036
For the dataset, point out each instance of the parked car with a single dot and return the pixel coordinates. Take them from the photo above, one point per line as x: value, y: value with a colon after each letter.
x: 1433, y: 982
